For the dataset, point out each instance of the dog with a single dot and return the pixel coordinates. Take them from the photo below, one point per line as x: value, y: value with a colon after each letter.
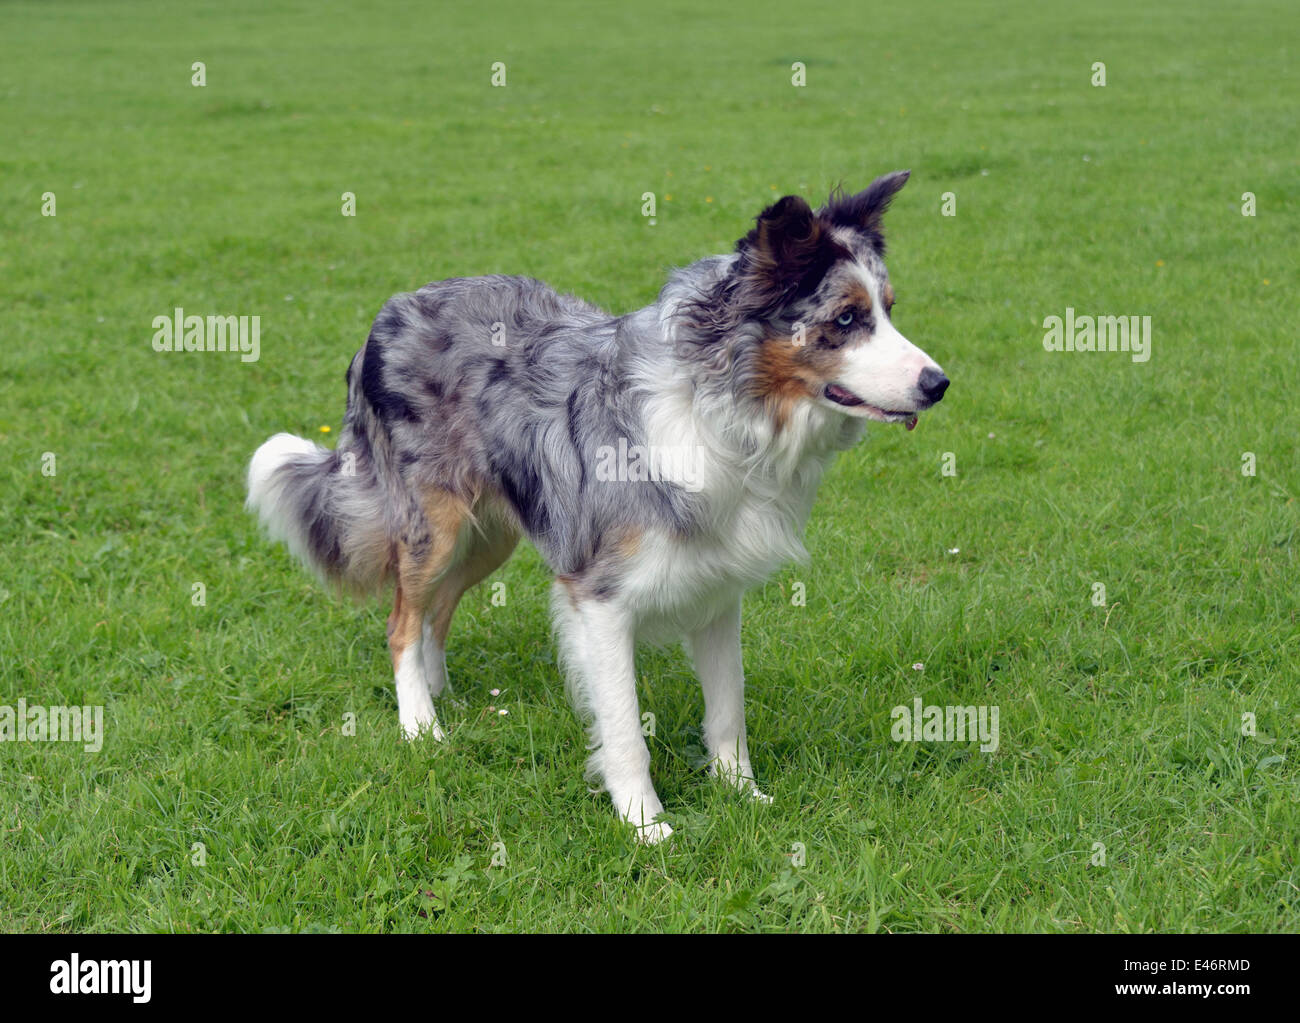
x: 662, y: 462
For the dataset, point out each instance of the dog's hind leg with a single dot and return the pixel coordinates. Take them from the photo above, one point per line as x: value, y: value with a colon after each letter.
x: 716, y: 652
x: 426, y: 554
x: 489, y: 545
x: 414, y: 704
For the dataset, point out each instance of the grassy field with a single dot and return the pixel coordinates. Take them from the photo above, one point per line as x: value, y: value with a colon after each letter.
x: 1123, y: 796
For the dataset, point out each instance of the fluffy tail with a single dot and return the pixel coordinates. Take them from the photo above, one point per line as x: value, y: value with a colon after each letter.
x: 326, y: 506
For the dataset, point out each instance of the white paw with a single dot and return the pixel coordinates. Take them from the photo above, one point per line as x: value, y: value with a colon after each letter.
x: 740, y: 780
x: 653, y: 834
x: 746, y: 786
x: 415, y: 727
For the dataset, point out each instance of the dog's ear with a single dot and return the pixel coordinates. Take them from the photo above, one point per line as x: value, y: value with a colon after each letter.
x: 788, y: 251
x: 864, y: 210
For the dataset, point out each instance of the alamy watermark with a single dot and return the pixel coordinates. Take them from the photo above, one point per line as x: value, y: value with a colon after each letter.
x: 921, y: 723
x: 644, y: 463
x: 75, y: 976
x: 36, y: 723
x: 1098, y: 334
x: 181, y: 333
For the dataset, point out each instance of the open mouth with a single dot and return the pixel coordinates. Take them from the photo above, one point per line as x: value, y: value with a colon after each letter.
x: 843, y: 396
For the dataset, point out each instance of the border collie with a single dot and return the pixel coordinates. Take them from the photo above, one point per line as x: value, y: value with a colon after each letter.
x: 482, y: 408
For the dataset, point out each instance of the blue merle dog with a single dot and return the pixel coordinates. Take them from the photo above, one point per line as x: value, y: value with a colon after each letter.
x: 661, y: 462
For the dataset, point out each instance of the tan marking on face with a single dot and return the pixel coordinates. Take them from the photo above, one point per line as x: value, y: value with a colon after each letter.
x: 790, y: 373
x: 848, y: 288
x: 782, y: 380
x: 857, y: 295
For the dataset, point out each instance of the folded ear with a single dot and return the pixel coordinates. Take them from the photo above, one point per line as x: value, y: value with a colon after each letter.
x: 864, y: 210
x: 788, y: 251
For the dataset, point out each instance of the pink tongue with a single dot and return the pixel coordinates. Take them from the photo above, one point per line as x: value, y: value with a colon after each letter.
x: 911, y: 423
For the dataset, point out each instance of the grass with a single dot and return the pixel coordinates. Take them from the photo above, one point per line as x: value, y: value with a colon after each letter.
x: 1120, y: 725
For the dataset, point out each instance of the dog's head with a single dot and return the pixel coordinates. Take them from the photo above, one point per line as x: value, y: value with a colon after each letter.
x: 816, y: 283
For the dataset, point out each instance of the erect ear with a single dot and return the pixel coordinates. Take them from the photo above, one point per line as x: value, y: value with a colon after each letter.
x: 787, y: 252
x: 864, y: 210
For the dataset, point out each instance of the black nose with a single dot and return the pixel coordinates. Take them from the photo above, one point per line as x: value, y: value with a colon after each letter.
x: 932, y: 383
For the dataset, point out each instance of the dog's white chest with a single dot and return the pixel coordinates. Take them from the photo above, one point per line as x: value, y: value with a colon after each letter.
x: 679, y: 583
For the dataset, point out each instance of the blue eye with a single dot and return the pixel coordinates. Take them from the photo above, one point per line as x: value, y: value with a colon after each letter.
x: 844, y: 319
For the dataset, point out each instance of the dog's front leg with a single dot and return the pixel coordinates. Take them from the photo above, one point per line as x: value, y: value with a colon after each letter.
x: 716, y: 652
x: 598, y: 642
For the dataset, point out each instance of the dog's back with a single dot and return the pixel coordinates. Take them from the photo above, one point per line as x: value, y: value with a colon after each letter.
x: 444, y: 371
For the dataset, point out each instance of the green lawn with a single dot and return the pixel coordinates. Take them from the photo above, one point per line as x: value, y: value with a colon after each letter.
x: 1119, y: 724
